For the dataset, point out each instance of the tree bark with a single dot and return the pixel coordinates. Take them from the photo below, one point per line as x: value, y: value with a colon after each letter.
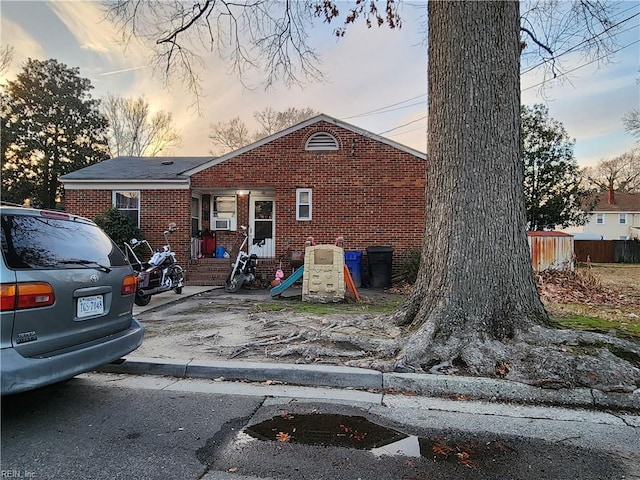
x: 475, y: 285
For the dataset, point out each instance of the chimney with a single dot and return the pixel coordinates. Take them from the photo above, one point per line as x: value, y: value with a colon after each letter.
x: 611, y: 197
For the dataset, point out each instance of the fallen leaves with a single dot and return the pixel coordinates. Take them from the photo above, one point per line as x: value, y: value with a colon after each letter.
x: 356, y: 435
x: 502, y: 369
x: 576, y: 286
x: 283, y: 437
x: 460, y: 452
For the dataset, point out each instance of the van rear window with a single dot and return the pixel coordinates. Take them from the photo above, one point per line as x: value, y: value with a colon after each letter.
x: 45, y: 243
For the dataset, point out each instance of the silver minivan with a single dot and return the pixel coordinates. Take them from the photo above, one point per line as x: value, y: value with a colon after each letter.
x: 67, y: 298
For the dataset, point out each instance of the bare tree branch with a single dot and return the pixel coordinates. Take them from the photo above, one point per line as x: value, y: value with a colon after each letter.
x: 134, y: 131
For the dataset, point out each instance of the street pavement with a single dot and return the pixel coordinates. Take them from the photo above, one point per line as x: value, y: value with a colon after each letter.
x: 581, y: 424
x: 152, y: 418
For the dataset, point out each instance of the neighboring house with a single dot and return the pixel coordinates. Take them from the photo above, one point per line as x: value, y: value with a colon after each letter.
x: 616, y: 216
x: 322, y: 178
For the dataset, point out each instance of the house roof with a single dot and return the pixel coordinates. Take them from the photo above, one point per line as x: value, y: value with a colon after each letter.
x: 299, y: 126
x: 180, y: 169
x: 624, y: 202
x: 138, y: 168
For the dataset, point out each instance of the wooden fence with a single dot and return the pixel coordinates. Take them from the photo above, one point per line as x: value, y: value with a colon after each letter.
x: 608, y: 251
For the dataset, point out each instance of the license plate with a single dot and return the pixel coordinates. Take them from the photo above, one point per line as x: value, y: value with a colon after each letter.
x: 90, y: 306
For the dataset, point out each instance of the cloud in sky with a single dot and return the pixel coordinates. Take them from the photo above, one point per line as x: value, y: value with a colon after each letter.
x: 366, y: 70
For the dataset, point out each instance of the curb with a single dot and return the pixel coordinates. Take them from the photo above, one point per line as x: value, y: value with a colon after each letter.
x: 472, y: 388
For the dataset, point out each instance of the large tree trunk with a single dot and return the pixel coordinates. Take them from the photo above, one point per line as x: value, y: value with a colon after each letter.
x: 475, y: 308
x: 476, y: 282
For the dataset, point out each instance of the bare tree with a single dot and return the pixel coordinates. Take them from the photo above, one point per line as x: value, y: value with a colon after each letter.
x: 631, y: 121
x: 135, y: 131
x: 621, y: 173
x: 234, y: 134
x: 474, y: 306
x: 257, y: 34
x: 229, y: 136
x: 273, y: 121
x: 6, y: 57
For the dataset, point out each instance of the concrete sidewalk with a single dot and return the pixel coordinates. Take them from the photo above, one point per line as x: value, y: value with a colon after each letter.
x: 470, y: 388
x: 162, y: 299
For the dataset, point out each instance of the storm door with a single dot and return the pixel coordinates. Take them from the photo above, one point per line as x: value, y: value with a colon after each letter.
x: 263, y: 224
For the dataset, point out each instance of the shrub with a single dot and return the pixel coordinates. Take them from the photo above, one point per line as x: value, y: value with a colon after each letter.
x: 411, y: 265
x: 118, y: 226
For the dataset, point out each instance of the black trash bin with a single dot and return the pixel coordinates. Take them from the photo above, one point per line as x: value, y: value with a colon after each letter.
x: 380, y: 260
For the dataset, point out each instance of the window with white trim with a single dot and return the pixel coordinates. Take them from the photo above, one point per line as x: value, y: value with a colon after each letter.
x: 321, y: 141
x: 224, y: 206
x: 303, y: 204
x: 600, y: 218
x: 622, y: 219
x: 127, y: 202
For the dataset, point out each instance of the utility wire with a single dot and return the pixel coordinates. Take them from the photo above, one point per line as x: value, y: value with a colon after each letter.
x: 579, y: 67
x: 569, y: 50
x: 403, y: 125
x: 371, y: 112
x: 382, y: 110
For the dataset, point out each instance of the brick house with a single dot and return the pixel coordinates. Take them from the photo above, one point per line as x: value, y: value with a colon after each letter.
x: 321, y: 178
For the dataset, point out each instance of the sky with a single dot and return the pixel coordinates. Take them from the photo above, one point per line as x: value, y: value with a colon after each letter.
x: 375, y: 79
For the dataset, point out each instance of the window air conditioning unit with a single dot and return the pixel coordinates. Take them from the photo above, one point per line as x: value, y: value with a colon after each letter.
x: 222, y: 224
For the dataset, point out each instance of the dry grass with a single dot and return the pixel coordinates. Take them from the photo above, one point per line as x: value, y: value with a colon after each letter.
x: 601, y: 297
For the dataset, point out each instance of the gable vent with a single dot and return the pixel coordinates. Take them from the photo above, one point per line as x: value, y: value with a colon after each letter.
x: 321, y: 141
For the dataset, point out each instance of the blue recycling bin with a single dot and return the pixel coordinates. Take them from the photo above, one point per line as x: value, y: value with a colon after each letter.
x: 353, y: 260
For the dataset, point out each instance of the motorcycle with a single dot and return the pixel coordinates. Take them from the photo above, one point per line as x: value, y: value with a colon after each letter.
x: 244, y: 268
x: 157, y: 271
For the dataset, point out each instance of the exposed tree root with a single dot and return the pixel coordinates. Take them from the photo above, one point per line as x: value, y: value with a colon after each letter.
x: 341, y: 341
x: 539, y: 356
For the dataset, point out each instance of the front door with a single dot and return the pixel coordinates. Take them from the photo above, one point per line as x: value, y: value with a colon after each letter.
x: 263, y: 225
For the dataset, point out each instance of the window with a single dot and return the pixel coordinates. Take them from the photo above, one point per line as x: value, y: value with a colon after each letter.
x: 38, y: 242
x: 128, y: 203
x: 321, y: 141
x: 224, y: 206
x: 600, y: 218
x: 623, y: 237
x: 622, y: 218
x: 303, y: 204
x: 195, y: 216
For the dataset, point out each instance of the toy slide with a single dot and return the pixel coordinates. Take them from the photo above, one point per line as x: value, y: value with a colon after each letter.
x: 351, y: 286
x: 291, y: 279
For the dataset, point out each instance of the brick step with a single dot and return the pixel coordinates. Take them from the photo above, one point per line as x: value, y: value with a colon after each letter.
x: 214, y: 271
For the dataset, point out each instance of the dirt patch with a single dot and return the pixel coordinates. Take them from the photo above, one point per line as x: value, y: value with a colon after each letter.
x: 251, y: 326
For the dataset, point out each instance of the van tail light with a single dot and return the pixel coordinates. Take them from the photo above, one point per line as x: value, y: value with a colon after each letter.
x: 129, y: 285
x: 18, y: 296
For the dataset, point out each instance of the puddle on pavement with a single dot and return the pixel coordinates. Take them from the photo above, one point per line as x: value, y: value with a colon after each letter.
x: 359, y: 433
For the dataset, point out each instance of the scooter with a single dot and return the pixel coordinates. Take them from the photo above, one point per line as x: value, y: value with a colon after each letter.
x: 244, y: 268
x: 157, y: 271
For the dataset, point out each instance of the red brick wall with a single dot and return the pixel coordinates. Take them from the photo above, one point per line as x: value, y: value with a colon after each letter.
x: 368, y: 192
x: 374, y: 196
x: 87, y: 203
x: 157, y: 209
